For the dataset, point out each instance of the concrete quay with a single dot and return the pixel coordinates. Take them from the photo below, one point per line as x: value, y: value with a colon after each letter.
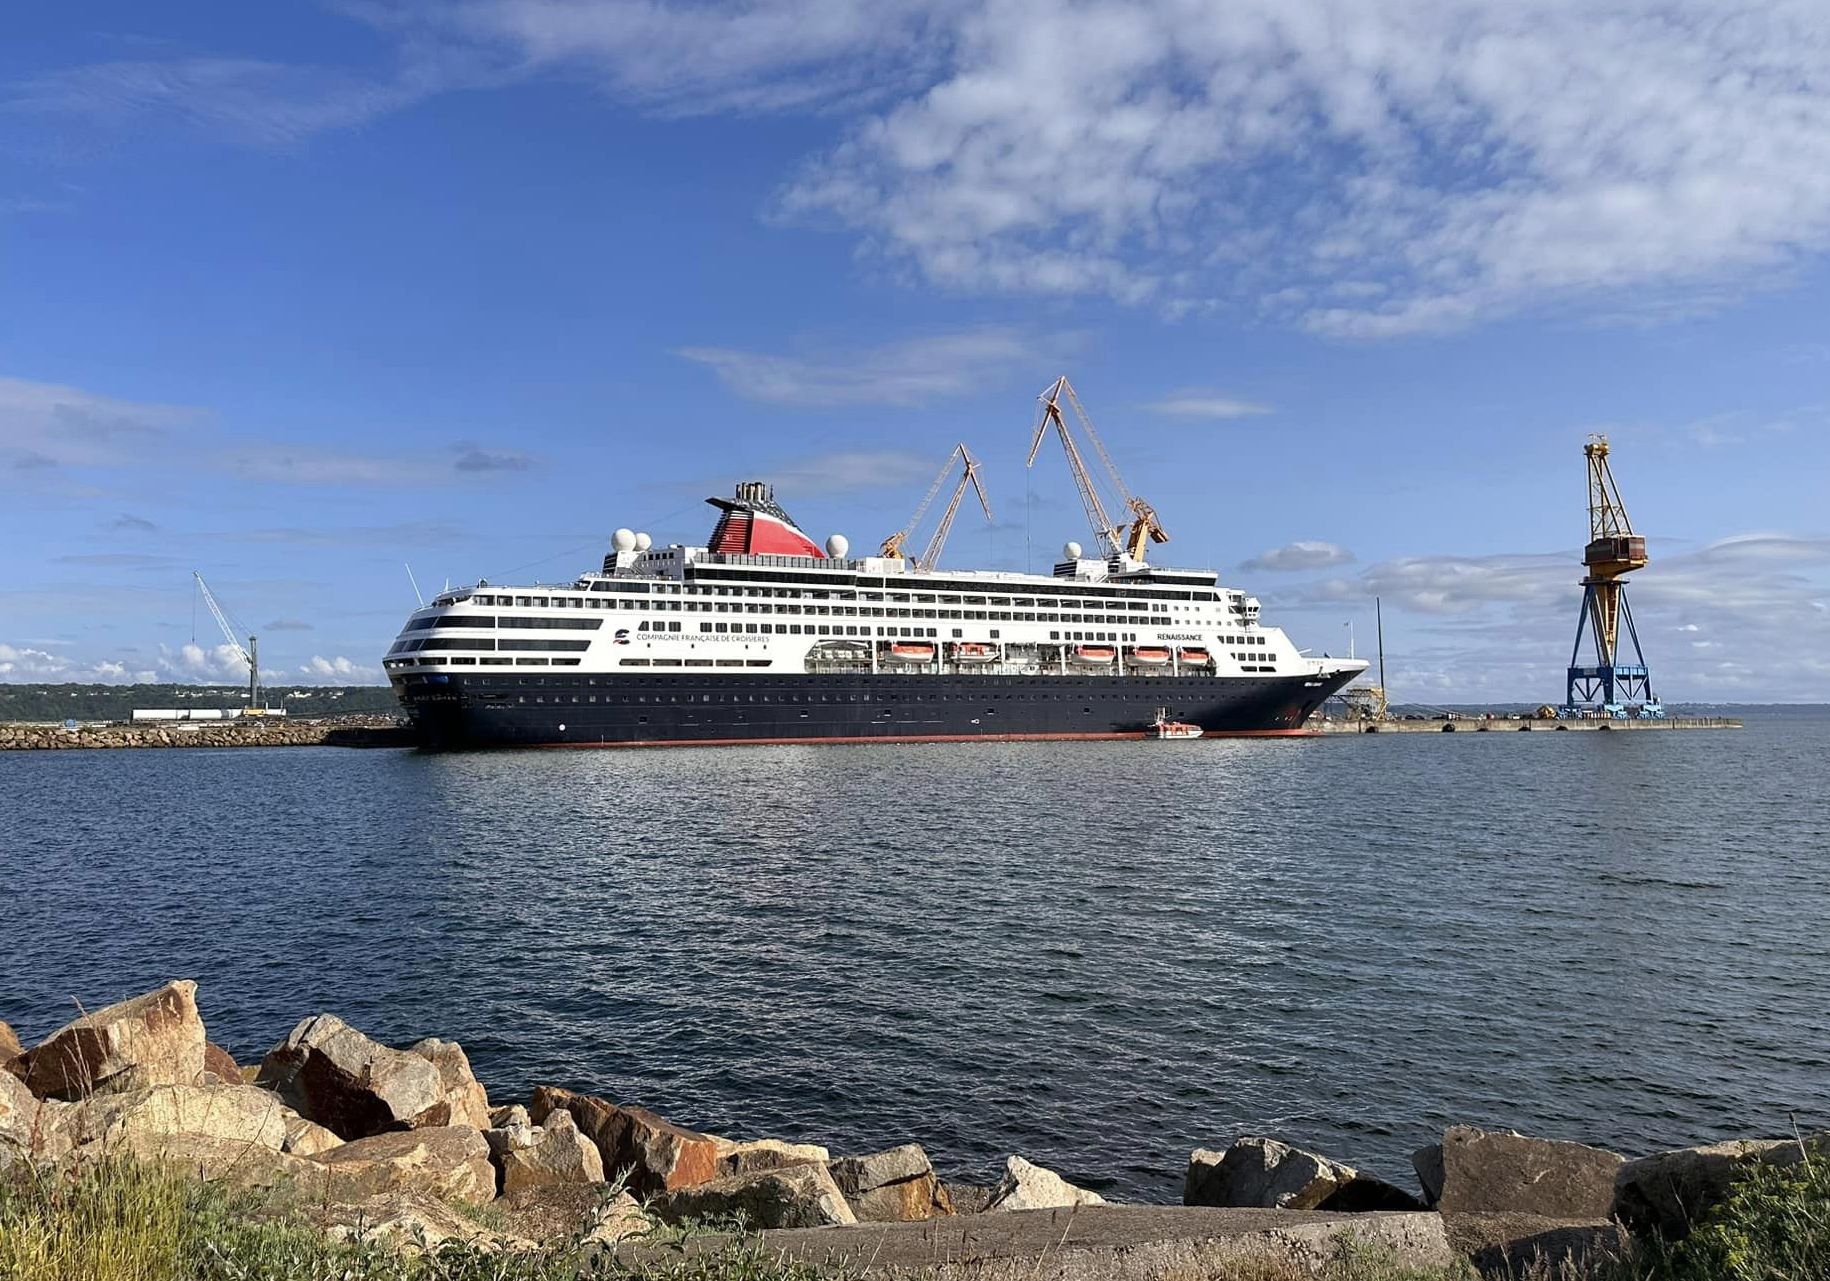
x: 1497, y: 725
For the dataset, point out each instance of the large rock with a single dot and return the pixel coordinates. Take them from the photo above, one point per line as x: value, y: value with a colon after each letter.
x: 1526, y: 1246
x: 234, y: 1113
x: 1501, y: 1172
x: 10, y: 1048
x: 1669, y: 1192
x: 155, y: 1039
x: 330, y: 1073
x: 766, y: 1154
x: 1027, y: 1186
x: 1263, y: 1172
x: 1428, y: 1164
x: 19, y: 1121
x: 893, y: 1186
x: 219, y: 1066
x: 536, y: 1156
x: 411, y: 1222
x: 466, y: 1099
x: 445, y: 1161
x: 307, y: 1138
x: 793, y: 1196
x: 205, y: 1156
x: 656, y: 1155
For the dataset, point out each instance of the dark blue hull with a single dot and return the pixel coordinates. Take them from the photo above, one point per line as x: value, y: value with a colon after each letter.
x: 459, y: 710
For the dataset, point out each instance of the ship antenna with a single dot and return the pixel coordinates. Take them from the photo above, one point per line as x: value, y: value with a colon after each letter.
x: 421, y: 595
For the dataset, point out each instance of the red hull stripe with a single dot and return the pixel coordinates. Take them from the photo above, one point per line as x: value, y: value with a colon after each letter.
x: 925, y: 738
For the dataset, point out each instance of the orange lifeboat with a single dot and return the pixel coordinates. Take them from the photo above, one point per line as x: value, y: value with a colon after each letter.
x: 912, y: 652
x: 974, y: 652
x: 1094, y: 655
x: 1150, y: 656
x: 1195, y: 658
x: 1163, y: 727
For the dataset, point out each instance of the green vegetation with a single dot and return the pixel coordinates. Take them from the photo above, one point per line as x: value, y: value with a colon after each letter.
x: 116, y: 702
x: 127, y: 1221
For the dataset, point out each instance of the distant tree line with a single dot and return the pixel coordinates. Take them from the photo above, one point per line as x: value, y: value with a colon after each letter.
x: 117, y: 702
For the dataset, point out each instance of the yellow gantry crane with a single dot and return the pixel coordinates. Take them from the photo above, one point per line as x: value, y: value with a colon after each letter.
x: 1608, y: 686
x: 896, y: 543
x: 1117, y: 538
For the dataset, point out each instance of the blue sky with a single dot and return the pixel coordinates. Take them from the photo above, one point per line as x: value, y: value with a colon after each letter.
x: 299, y: 294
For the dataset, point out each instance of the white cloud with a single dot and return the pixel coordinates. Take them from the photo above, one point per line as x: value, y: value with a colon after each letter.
x: 25, y: 664
x: 338, y: 670
x: 1300, y: 555
x: 1362, y: 168
x: 1500, y: 627
x: 49, y: 425
x: 848, y: 471
x: 914, y: 371
x: 192, y: 662
x: 1206, y: 404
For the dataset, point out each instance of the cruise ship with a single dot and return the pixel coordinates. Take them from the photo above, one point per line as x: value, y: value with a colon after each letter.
x: 764, y: 636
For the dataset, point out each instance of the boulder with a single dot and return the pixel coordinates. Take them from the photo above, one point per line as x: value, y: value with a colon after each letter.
x: 410, y: 1222
x: 1428, y: 1164
x: 330, y: 1073
x: 618, y: 1219
x: 208, y: 1157
x: 1501, y: 1172
x: 19, y: 1121
x: 893, y: 1186
x: 307, y: 1138
x: 233, y: 1113
x: 1264, y: 1173
x: 1366, y: 1193
x: 154, y: 1039
x: 1030, y: 1187
x: 657, y: 1155
x: 509, y: 1115
x: 1526, y: 1246
x: 535, y: 1156
x: 793, y: 1196
x: 766, y: 1154
x: 467, y: 1100
x: 1669, y: 1192
x: 964, y: 1198
x: 10, y: 1048
x: 219, y: 1066
x: 451, y: 1162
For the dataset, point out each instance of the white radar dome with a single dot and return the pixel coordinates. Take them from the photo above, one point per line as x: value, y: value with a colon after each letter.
x: 837, y: 546
x: 623, y: 540
x: 643, y: 542
x: 1071, y: 552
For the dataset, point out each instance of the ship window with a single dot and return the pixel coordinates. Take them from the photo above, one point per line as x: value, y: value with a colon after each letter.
x: 705, y: 627
x: 994, y: 633
x: 957, y: 633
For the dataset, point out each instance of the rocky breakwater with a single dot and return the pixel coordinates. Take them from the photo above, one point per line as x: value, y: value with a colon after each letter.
x: 405, y: 1146
x: 278, y: 731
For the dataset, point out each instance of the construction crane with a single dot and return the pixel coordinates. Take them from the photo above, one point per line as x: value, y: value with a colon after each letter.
x: 897, y: 543
x: 249, y: 656
x: 1608, y: 687
x: 1128, y: 539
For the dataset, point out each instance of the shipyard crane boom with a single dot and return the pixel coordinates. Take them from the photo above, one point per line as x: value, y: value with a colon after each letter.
x: 1118, y: 539
x: 897, y: 543
x: 969, y: 475
x: 249, y: 656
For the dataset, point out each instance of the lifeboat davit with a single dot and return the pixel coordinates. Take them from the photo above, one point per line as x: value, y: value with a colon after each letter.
x: 1195, y: 658
x: 911, y: 652
x: 1150, y: 656
x: 974, y: 652
x: 1094, y: 655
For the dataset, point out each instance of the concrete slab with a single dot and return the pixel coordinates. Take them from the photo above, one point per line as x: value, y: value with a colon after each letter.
x: 1098, y: 1243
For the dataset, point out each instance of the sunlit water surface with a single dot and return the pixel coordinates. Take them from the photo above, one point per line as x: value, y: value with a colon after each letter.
x: 1096, y: 955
